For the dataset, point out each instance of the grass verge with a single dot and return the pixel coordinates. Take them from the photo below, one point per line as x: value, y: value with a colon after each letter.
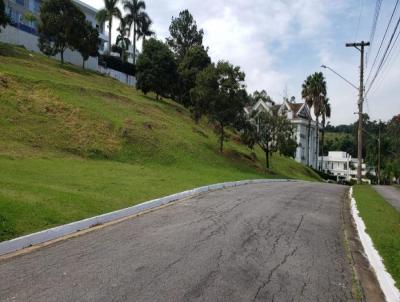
x: 382, y: 222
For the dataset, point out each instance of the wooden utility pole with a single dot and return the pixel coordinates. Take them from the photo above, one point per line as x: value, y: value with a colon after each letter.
x: 360, y: 46
x: 379, y: 154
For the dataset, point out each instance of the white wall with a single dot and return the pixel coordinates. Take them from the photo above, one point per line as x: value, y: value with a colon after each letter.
x: 12, y: 35
x: 122, y: 77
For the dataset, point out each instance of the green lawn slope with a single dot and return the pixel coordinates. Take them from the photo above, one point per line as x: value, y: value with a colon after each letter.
x: 75, y: 144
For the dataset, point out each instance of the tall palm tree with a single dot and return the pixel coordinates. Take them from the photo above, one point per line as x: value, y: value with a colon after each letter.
x: 106, y: 14
x: 325, y: 113
x: 306, y: 94
x: 123, y: 37
x: 145, y: 29
x: 313, y: 92
x: 136, y: 14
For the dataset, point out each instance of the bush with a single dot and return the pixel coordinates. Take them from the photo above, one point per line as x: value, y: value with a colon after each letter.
x: 117, y: 64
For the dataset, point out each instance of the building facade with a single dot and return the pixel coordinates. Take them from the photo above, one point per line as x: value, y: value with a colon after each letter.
x: 342, y: 165
x: 24, y: 32
x: 305, y: 128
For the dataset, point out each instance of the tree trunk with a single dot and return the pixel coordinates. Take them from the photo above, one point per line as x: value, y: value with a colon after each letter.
x: 134, y: 42
x: 317, y: 143
x: 322, y: 143
x: 266, y: 161
x: 62, y: 56
x: 83, y: 63
x: 109, y: 35
x: 221, y: 146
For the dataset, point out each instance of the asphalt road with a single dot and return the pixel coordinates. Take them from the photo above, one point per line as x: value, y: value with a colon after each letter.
x: 390, y: 194
x: 269, y: 242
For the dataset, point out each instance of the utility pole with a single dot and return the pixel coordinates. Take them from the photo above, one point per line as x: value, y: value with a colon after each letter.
x: 360, y: 46
x: 379, y: 154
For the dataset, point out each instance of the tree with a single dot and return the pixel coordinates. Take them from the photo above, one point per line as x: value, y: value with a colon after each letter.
x: 194, y: 61
x: 145, y: 29
x: 107, y: 14
x: 29, y: 17
x: 136, y: 15
x: 156, y: 68
x: 220, y: 93
x: 123, y: 41
x: 89, y: 43
x: 313, y: 92
x: 325, y: 113
x: 184, y: 34
x: 60, y: 27
x: 271, y: 132
x: 261, y: 95
x: 4, y: 20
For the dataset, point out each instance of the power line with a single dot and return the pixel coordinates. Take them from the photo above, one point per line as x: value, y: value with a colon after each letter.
x: 359, y: 18
x: 384, y: 56
x: 373, y: 29
x: 383, y: 39
x: 391, y: 59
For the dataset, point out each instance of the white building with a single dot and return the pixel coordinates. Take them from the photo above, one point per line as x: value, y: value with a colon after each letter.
x: 305, y: 129
x: 342, y: 165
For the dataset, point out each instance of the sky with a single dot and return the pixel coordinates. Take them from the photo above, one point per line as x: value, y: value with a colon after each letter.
x: 278, y: 43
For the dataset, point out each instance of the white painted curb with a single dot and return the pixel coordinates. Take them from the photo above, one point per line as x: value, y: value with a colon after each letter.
x: 62, y: 230
x: 385, y: 280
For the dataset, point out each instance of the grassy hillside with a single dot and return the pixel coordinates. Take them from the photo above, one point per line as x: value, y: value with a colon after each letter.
x: 74, y: 144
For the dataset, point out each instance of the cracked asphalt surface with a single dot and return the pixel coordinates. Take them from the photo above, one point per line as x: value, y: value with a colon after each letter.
x: 390, y: 194
x: 265, y: 242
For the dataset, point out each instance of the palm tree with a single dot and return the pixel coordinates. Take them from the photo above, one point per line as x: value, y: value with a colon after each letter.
x: 313, y: 92
x: 325, y: 113
x: 144, y: 29
x: 135, y: 15
x: 123, y: 38
x: 306, y: 94
x: 106, y: 14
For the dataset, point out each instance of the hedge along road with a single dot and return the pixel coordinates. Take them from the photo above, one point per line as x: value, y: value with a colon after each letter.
x: 259, y: 242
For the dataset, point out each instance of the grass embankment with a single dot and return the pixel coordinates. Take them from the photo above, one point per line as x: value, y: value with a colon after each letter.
x: 382, y: 222
x: 74, y: 144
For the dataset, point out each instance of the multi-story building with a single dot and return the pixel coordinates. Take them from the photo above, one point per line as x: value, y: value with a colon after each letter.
x: 342, y: 165
x: 305, y: 128
x: 24, y: 32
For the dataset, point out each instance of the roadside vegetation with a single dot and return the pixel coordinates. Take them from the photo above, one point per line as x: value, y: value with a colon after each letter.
x: 382, y: 222
x: 75, y: 144
x: 385, y: 135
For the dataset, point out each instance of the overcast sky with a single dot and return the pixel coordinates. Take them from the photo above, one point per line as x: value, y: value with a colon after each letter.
x: 279, y: 42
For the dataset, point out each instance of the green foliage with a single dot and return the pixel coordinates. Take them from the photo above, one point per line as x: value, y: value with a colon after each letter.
x: 271, y: 132
x: 194, y: 61
x: 75, y: 144
x: 4, y: 20
x: 383, y: 225
x: 123, y: 41
x: 220, y: 93
x: 139, y: 19
x: 184, y: 34
x: 107, y: 14
x: 30, y: 17
x: 60, y: 27
x: 89, y: 43
x: 156, y: 68
x: 260, y: 96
